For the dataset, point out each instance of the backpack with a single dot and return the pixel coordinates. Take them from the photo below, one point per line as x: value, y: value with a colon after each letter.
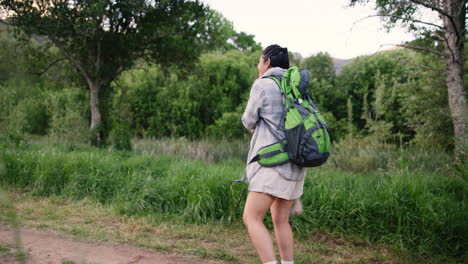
x: 307, y: 141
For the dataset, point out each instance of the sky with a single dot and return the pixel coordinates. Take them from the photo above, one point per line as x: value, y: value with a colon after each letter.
x: 311, y: 26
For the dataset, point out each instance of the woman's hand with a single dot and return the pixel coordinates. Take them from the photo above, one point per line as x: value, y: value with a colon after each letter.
x: 251, y: 131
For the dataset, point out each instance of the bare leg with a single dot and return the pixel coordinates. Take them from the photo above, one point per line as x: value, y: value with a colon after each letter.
x: 284, y: 236
x: 256, y: 206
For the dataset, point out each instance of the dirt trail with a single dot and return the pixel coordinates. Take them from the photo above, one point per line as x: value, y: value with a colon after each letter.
x: 53, y: 248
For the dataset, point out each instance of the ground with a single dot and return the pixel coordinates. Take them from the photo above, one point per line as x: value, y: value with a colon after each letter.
x: 58, y: 230
x: 54, y: 248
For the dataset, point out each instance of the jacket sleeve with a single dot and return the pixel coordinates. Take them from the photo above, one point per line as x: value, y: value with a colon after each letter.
x: 252, y: 111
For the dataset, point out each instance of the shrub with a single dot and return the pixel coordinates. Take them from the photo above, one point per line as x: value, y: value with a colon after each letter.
x: 67, y: 110
x: 121, y: 136
x: 229, y: 126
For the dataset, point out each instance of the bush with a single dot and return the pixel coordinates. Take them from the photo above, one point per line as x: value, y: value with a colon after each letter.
x: 67, y: 109
x: 23, y: 108
x: 229, y: 126
x: 121, y: 136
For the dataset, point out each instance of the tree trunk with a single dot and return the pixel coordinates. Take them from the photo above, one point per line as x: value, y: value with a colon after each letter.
x: 454, y: 61
x: 96, y: 117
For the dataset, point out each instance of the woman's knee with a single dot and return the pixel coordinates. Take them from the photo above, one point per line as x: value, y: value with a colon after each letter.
x: 251, y: 217
x: 280, y: 219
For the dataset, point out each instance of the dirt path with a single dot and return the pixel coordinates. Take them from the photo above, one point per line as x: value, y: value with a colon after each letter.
x: 53, y: 248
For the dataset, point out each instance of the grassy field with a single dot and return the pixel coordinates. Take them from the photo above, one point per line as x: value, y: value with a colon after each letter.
x: 414, y: 212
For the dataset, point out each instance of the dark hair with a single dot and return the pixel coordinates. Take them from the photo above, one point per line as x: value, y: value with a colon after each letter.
x: 278, y: 56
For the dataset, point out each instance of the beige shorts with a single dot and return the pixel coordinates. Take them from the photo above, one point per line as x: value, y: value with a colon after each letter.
x: 266, y: 180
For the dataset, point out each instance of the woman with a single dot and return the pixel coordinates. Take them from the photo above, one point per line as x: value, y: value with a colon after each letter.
x: 275, y: 188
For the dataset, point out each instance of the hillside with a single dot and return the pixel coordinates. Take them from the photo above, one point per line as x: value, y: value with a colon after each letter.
x: 340, y: 63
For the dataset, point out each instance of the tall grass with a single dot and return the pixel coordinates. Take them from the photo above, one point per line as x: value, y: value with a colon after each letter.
x: 425, y: 212
x: 204, y: 149
x: 370, y: 154
x: 420, y: 211
x: 134, y: 184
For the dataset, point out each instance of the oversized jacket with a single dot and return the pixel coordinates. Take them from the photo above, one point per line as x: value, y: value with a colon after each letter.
x: 263, y: 113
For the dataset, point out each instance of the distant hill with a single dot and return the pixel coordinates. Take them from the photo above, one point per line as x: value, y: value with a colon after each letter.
x: 340, y: 63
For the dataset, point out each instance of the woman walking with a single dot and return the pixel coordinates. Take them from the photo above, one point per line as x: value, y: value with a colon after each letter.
x: 274, y: 188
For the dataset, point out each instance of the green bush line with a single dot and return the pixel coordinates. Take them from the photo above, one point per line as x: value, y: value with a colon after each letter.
x: 420, y: 212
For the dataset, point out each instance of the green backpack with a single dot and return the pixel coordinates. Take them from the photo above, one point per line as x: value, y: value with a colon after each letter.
x: 307, y: 141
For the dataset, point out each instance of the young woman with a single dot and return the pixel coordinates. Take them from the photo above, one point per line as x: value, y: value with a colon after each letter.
x: 275, y: 188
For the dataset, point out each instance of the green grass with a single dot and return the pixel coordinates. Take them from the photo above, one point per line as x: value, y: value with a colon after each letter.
x: 417, y: 211
x: 424, y: 212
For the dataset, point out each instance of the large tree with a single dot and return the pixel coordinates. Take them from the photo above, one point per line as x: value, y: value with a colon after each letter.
x: 451, y: 31
x: 102, y: 38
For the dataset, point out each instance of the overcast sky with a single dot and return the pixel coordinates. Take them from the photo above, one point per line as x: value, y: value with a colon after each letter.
x: 310, y: 26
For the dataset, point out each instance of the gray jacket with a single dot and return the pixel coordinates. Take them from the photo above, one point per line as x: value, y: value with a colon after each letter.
x: 263, y: 113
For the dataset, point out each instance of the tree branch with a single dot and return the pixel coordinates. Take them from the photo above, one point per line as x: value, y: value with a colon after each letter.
x: 73, y: 61
x: 407, y: 62
x: 49, y: 66
x: 422, y: 49
x: 402, y: 18
x: 3, y: 21
x: 432, y: 7
x: 440, y: 11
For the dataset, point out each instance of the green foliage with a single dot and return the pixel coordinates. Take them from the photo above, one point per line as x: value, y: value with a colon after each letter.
x: 391, y: 96
x: 23, y: 107
x: 227, y: 126
x: 461, y: 165
x: 322, y: 74
x: 118, y: 32
x: 425, y: 107
x: 245, y: 42
x: 121, y: 136
x: 103, y: 38
x: 371, y: 80
x: 408, y: 13
x: 222, y: 83
x: 185, y: 104
x: 68, y: 109
x: 320, y: 66
x: 8, y: 56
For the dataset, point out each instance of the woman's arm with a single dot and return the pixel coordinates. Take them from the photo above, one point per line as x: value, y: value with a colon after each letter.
x: 252, y: 110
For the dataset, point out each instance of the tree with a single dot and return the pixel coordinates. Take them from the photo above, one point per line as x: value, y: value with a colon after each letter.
x: 320, y: 66
x: 452, y: 33
x: 322, y: 74
x: 103, y: 38
x: 372, y: 83
x: 245, y: 42
x: 185, y: 104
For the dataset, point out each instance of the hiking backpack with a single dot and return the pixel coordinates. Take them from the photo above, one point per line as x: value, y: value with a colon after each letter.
x: 307, y: 141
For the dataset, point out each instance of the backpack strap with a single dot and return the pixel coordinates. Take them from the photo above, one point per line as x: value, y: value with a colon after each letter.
x: 281, y: 142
